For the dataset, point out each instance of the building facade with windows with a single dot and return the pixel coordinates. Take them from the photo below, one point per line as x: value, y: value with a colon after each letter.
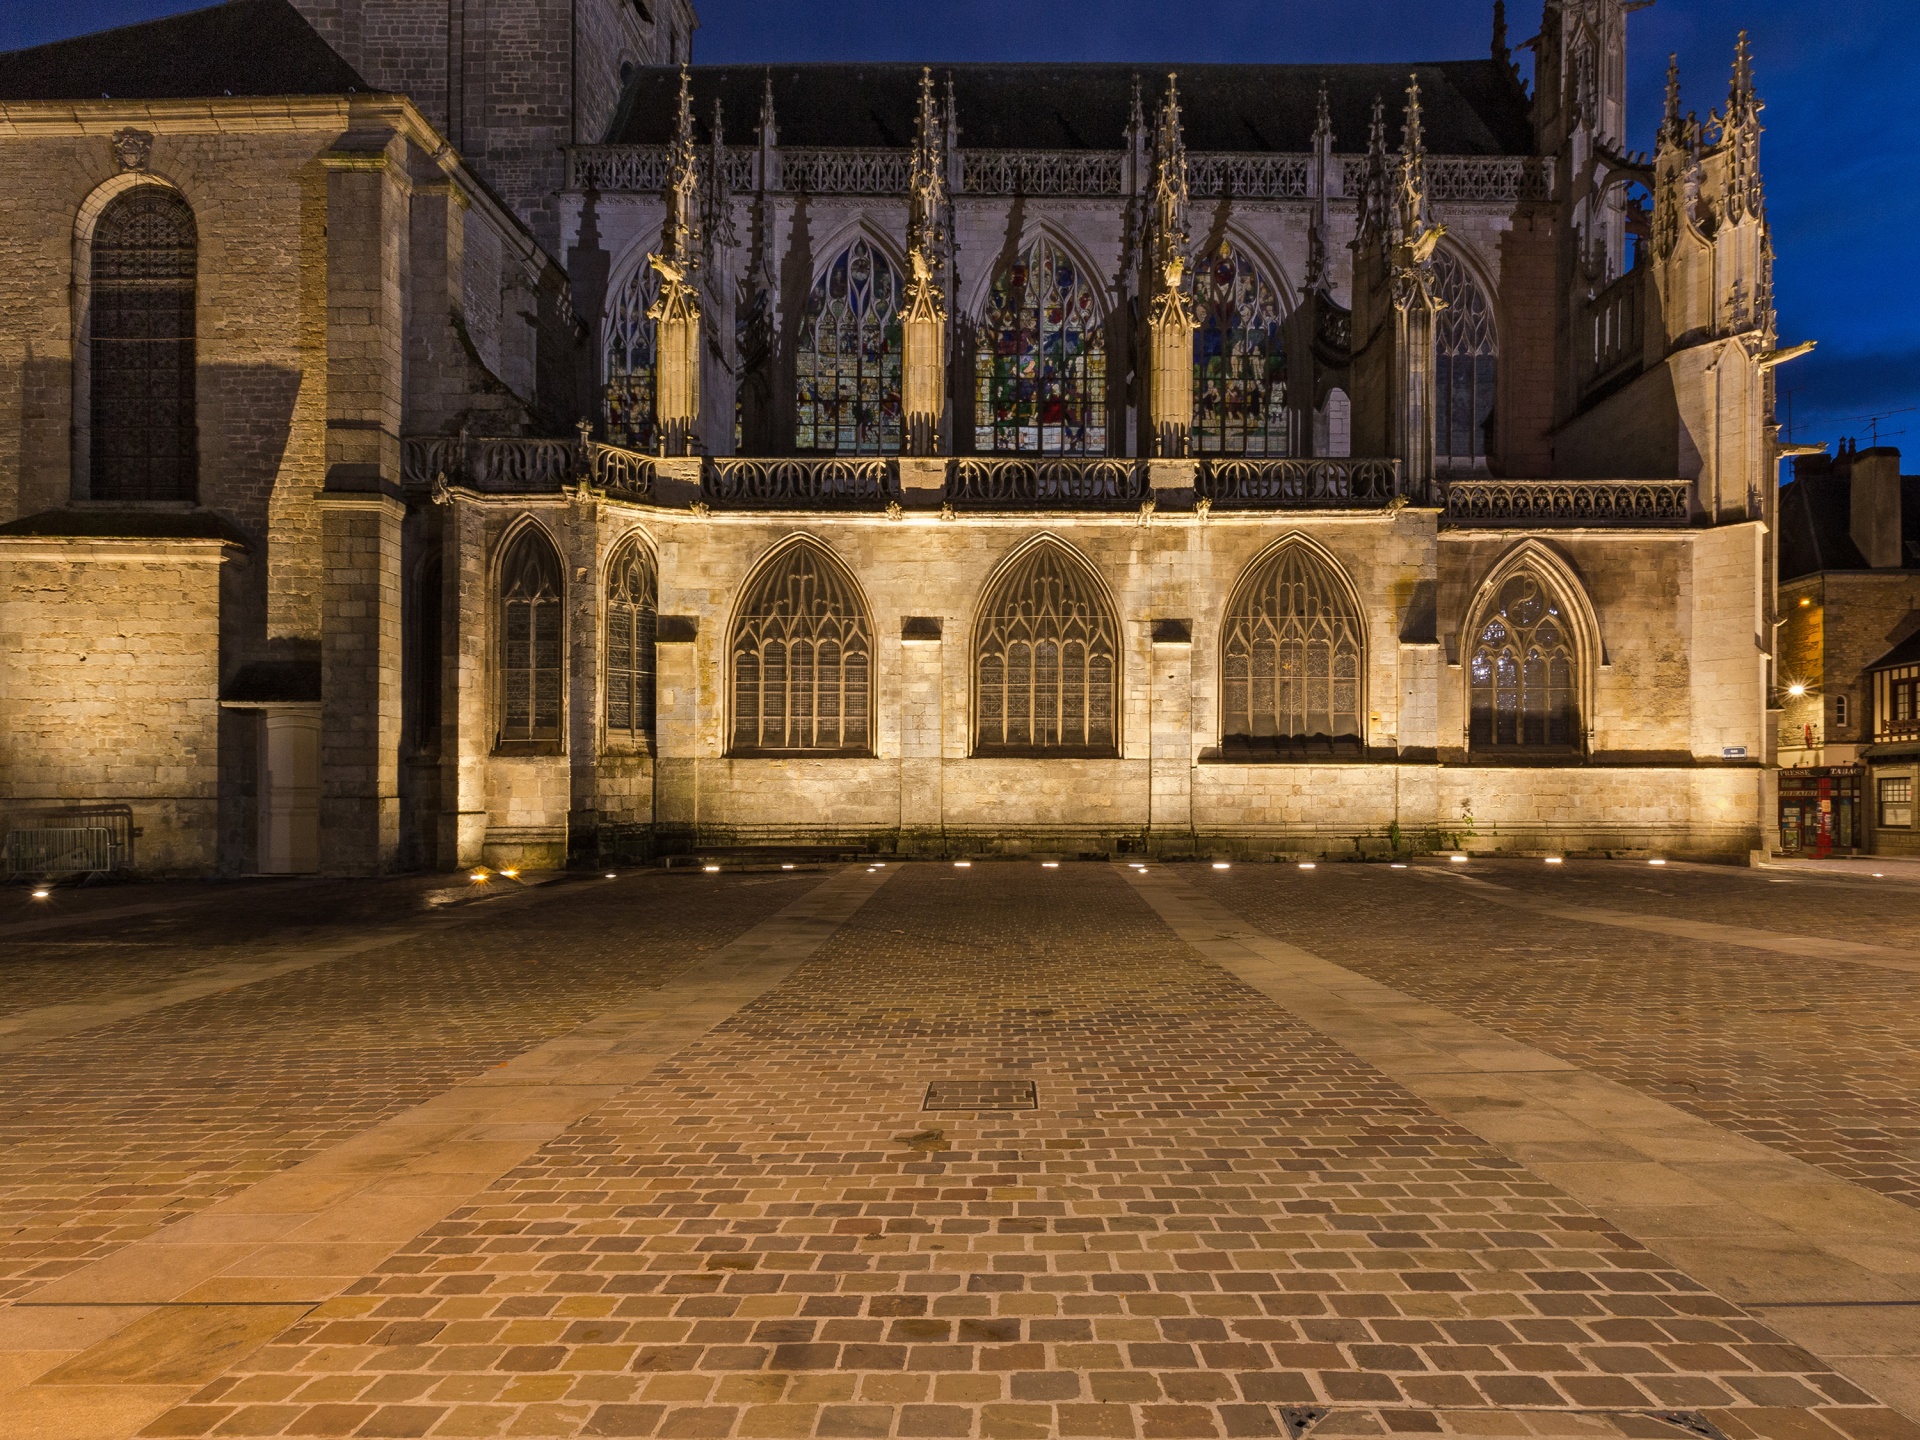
x: 1254, y: 459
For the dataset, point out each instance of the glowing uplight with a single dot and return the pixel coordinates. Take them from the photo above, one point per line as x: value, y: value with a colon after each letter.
x: 613, y: 877
x: 711, y: 869
x: 42, y: 893
x: 1656, y: 862
x: 1458, y: 859
x: 1049, y: 864
x: 1396, y: 866
x: 1553, y: 860
x: 1878, y: 875
x: 1306, y: 865
x: 1221, y: 865
x: 511, y: 874
x: 479, y: 877
x: 963, y: 864
x: 783, y: 867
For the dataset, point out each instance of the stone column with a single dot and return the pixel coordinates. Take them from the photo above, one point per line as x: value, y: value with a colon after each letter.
x: 360, y: 508
x: 676, y: 722
x: 1170, y: 745
x: 466, y: 720
x: 360, y: 684
x: 922, y: 660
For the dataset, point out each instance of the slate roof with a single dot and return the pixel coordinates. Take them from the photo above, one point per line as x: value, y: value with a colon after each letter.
x: 1907, y: 652
x: 1816, y: 531
x: 244, y: 47
x: 1471, y: 107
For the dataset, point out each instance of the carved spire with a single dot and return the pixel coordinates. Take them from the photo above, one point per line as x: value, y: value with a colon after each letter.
x: 1170, y: 311
x: 1741, y: 133
x: 719, y: 207
x: 1318, y: 277
x: 1373, y: 181
x: 1412, y: 197
x: 1501, y: 54
x: 923, y: 396
x: 680, y: 237
x: 1742, y: 103
x: 1671, y: 122
x: 769, y: 132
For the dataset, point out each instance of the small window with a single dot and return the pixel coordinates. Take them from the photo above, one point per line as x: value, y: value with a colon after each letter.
x: 1896, y: 802
x: 1903, y: 700
x: 531, y: 655
x: 632, y: 587
x: 1840, y: 712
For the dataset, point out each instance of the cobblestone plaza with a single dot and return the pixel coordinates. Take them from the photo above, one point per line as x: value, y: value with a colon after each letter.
x: 997, y: 1150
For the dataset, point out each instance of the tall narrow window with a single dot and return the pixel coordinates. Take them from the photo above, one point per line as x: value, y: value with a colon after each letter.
x: 1466, y: 360
x: 632, y: 601
x: 1522, y: 672
x: 531, y: 647
x: 802, y: 659
x: 1046, y: 652
x: 143, y: 439
x: 1040, y: 367
x: 629, y: 362
x: 1239, y: 359
x: 1291, y: 655
x: 847, y: 361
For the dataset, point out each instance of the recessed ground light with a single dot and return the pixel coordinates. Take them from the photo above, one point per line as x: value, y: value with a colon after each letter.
x: 963, y: 864
x: 1553, y: 860
x: 1878, y: 875
x: 711, y: 869
x: 783, y: 867
x: 1458, y: 859
x: 511, y: 874
x: 1306, y: 864
x: 613, y: 877
x: 1221, y: 865
x: 1656, y: 862
x: 479, y: 877
x: 1049, y: 864
x: 42, y: 893
x: 1397, y: 866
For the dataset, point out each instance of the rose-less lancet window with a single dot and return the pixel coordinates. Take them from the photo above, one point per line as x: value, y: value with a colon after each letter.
x: 802, y: 659
x: 531, y: 648
x: 1466, y: 358
x: 144, y: 441
x: 631, y: 622
x: 1040, y: 367
x: 629, y: 361
x: 848, y: 358
x: 1291, y: 654
x: 1046, y: 660
x: 1239, y: 359
x: 1522, y: 672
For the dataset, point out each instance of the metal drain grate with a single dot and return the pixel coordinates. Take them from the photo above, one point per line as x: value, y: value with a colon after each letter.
x: 980, y: 1095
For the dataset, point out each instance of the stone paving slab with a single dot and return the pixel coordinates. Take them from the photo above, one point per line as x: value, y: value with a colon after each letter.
x: 1214, y: 1219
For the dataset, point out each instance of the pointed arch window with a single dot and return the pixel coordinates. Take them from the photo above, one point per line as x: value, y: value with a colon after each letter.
x: 1239, y: 359
x: 1291, y: 656
x: 1466, y: 358
x: 1523, y: 672
x: 633, y: 590
x: 1046, y: 660
x: 631, y: 416
x: 847, y: 362
x: 1040, y: 359
x: 143, y: 441
x: 802, y: 658
x: 532, y: 654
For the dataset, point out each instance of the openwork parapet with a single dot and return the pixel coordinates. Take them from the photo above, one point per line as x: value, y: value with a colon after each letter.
x: 512, y: 466
x: 1569, y: 502
x: 1298, y: 484
x: 826, y: 483
x: 1046, y: 483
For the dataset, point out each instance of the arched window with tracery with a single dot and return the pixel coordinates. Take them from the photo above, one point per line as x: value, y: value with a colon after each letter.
x: 1466, y: 358
x: 1040, y: 363
x: 847, y: 359
x: 532, y: 650
x: 1046, y: 660
x: 1291, y: 654
x: 633, y: 590
x: 1523, y: 671
x: 1239, y: 359
x: 629, y: 364
x: 802, y: 659
x: 143, y: 440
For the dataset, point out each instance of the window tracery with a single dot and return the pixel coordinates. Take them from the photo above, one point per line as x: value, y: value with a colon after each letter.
x: 632, y: 620
x: 1522, y: 671
x: 1239, y: 359
x: 531, y: 645
x: 802, y: 659
x: 144, y: 441
x: 1046, y: 653
x: 630, y: 355
x: 848, y: 357
x: 1466, y: 352
x: 1040, y: 360
x: 1291, y: 654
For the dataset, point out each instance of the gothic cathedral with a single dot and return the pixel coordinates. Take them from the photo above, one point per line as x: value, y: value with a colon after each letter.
x: 436, y: 433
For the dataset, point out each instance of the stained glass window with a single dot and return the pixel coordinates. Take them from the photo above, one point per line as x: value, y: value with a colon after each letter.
x: 802, y: 658
x: 1239, y: 359
x: 632, y: 615
x: 1466, y: 357
x: 1046, y: 660
x: 847, y: 361
x: 1522, y: 672
x: 530, y: 641
x: 1291, y: 653
x: 630, y: 363
x: 143, y: 440
x: 1040, y: 367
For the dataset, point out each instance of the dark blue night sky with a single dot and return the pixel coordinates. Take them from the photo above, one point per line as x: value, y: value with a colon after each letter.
x: 1842, y: 151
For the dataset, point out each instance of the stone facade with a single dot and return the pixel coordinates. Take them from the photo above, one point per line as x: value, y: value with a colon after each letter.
x: 431, y: 449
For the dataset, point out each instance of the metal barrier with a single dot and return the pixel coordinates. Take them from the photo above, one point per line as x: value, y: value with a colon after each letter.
x: 76, y: 840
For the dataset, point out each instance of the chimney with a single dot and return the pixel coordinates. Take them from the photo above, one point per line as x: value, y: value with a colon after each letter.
x: 1873, y: 504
